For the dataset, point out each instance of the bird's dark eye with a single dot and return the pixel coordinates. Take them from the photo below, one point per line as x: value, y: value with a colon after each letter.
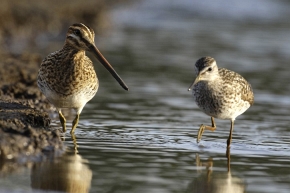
x: 77, y: 32
x: 209, y: 69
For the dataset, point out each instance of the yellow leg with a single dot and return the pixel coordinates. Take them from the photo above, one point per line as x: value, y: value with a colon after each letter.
x: 203, y: 127
x: 62, y: 120
x: 230, y: 136
x: 75, y: 123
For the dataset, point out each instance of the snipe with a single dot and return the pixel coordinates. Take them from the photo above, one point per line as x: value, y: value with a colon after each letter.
x: 220, y: 93
x: 67, y: 77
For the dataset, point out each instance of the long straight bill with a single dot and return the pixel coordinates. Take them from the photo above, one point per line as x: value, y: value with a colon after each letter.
x: 108, y: 66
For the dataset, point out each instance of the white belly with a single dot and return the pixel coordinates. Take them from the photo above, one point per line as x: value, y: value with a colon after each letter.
x: 233, y: 112
x: 76, y: 101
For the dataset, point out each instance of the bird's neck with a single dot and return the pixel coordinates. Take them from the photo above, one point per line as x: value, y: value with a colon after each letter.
x: 72, y: 52
x: 71, y: 59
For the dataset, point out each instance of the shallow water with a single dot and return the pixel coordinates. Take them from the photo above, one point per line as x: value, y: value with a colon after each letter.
x: 144, y: 140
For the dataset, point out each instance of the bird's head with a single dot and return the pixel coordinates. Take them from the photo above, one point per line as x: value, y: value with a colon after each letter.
x: 206, y: 69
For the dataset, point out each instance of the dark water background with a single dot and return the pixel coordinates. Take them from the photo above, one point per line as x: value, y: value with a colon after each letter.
x: 144, y: 140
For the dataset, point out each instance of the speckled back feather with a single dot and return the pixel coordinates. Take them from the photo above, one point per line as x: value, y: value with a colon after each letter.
x: 237, y: 81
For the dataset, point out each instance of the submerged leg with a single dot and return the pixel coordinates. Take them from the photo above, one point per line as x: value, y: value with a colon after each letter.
x: 203, y: 127
x: 230, y: 136
x: 75, y: 123
x: 62, y: 120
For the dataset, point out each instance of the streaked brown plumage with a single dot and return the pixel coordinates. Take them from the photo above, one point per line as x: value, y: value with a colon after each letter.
x: 220, y: 93
x: 67, y: 77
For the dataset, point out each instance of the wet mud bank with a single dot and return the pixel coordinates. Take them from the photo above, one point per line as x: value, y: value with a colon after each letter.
x: 24, y: 122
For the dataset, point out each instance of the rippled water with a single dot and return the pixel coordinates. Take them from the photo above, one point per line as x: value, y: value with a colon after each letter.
x: 144, y: 140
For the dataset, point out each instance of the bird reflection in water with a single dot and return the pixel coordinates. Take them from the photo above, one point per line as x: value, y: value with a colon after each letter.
x: 70, y: 174
x: 215, y: 182
x: 74, y: 139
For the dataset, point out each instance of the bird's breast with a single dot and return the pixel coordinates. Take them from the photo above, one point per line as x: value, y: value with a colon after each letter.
x: 218, y: 100
x: 67, y: 81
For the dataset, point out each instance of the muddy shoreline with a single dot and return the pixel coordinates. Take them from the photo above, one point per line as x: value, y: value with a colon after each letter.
x: 24, y: 122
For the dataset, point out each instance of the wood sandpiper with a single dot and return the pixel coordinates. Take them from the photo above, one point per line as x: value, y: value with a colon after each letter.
x: 67, y: 77
x: 220, y: 93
